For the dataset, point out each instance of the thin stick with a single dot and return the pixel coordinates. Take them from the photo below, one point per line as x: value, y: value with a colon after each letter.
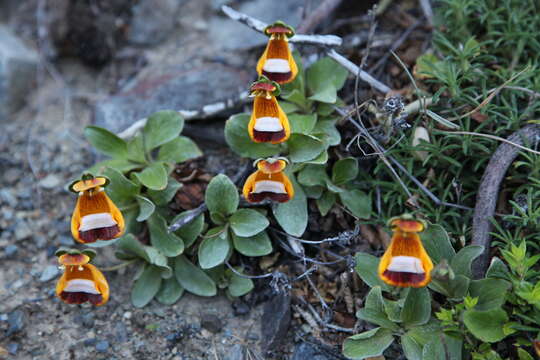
x: 257, y: 25
x: 353, y: 69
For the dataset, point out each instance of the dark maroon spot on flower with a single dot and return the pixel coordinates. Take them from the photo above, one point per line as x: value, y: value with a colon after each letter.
x: 278, y: 30
x: 268, y: 136
x: 277, y: 76
x: 404, y: 278
x: 258, y: 197
x: 263, y: 86
x: 80, y: 297
x: 105, y: 233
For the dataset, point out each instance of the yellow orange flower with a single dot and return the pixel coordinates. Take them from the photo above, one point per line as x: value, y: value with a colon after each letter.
x: 406, y: 263
x: 81, y: 282
x: 268, y: 122
x: 269, y: 181
x: 277, y: 62
x: 95, y: 216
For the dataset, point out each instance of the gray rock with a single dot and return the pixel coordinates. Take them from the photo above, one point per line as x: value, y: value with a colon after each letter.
x: 121, y: 334
x: 172, y: 88
x: 11, y: 250
x: 211, y: 323
x: 102, y: 345
x: 308, y: 351
x: 49, y: 273
x: 15, y: 322
x: 90, y: 342
x: 12, y: 348
x: 152, y: 21
x: 275, y: 322
x: 22, y: 230
x: 50, y: 181
x: 231, y: 35
x: 6, y: 195
x: 18, y: 65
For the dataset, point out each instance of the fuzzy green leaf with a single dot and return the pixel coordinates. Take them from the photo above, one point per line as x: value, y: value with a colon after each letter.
x: 191, y: 231
x: 106, y: 142
x: 192, y: 278
x: 167, y: 243
x: 121, y: 190
x: 411, y: 349
x: 358, y: 202
x: 304, y: 147
x: 146, y: 208
x: 170, y: 291
x: 146, y: 286
x: 162, y: 127
x: 326, y: 202
x: 135, y: 149
x: 238, y: 286
x: 344, y: 170
x: 367, y: 268
x: 132, y: 248
x: 164, y: 197
x: 486, y: 325
x: 248, y: 222
x: 258, y: 245
x: 324, y: 79
x: 312, y: 175
x: 215, y: 248
x: 292, y: 216
x: 326, y: 131
x: 374, y: 310
x: 302, y: 124
x: 461, y: 263
x: 490, y: 292
x: 179, y: 150
x: 437, y: 243
x: 417, y: 307
x: 221, y: 196
x: 237, y: 137
x: 367, y: 344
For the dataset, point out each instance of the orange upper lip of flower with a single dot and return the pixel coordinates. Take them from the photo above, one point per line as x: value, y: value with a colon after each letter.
x: 271, y: 167
x: 279, y: 29
x: 82, y: 283
x: 83, y: 185
x: 96, y: 217
x: 264, y: 86
x: 73, y: 259
x: 406, y: 263
x: 273, y: 186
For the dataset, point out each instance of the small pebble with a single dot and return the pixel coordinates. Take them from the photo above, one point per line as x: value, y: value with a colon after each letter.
x: 12, y: 348
x: 102, y: 345
x: 15, y: 321
x: 211, y: 323
x: 49, y: 273
x: 11, y: 250
x: 90, y: 342
x: 50, y: 181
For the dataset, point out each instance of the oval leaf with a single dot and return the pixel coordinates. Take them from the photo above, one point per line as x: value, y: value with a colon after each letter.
x: 304, y: 147
x: 162, y: 127
x: 358, y: 202
x: 238, y: 286
x: 192, y: 278
x: 178, y: 150
x: 191, y: 231
x: 258, y: 245
x: 367, y: 344
x: 146, y: 208
x: 417, y: 307
x: 154, y: 176
x: 146, y: 286
x: 248, y: 222
x: 167, y: 243
x: 106, y: 142
x: 214, y: 249
x: 292, y: 216
x: 237, y: 137
x: 221, y: 196
x: 170, y: 291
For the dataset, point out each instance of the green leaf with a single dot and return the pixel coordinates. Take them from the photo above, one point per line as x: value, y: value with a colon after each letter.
x: 106, y: 142
x: 258, y: 245
x: 238, y: 286
x: 135, y: 149
x: 312, y: 175
x: 437, y: 243
x: 167, y: 243
x: 120, y: 165
x: 154, y: 176
x: 191, y: 231
x: 417, y: 307
x: 324, y: 78
x: 170, y: 291
x: 121, y: 190
x: 367, y: 344
x: 486, y: 325
x: 164, y: 197
x: 133, y: 248
x: 435, y: 350
x: 313, y: 192
x: 237, y: 137
x: 367, y: 268
x: 498, y: 269
x: 304, y: 147
x: 302, y: 124
x: 411, y: 349
x: 292, y: 216
x: 146, y: 208
x: 344, y: 170
x: 179, y: 150
x: 320, y: 159
x: 221, y: 196
x: 296, y: 97
x: 358, y: 203
x: 524, y: 355
x: 146, y: 286
x: 192, y: 278
x: 215, y: 248
x: 490, y: 292
x: 162, y: 127
x: 374, y: 310
x: 327, y: 131
x: 461, y: 263
x: 248, y: 222
x: 326, y: 202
